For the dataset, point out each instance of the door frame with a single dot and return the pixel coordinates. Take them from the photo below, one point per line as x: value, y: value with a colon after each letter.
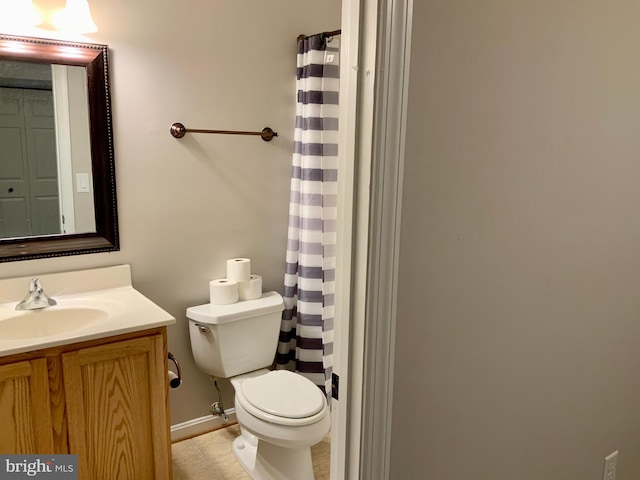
x: 376, y: 45
x: 64, y: 151
x: 351, y: 233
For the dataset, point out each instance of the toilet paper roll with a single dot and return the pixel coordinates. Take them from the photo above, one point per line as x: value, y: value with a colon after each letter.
x: 223, y: 291
x: 252, y: 289
x: 174, y: 380
x: 239, y: 269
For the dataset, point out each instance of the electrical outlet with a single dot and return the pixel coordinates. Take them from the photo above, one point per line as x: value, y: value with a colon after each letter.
x: 610, y: 464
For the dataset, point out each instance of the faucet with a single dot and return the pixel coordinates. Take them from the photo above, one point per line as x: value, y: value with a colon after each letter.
x: 36, y: 298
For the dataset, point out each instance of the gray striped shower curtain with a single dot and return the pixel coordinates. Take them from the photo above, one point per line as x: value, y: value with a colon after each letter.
x: 306, y: 335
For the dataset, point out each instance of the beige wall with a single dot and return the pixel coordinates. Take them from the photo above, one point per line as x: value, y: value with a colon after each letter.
x: 518, y: 335
x: 185, y: 206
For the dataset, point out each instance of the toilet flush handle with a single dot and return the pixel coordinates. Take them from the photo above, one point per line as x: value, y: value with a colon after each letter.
x: 202, y: 328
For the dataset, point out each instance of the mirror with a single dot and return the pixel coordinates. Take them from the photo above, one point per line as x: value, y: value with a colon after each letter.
x: 57, y: 173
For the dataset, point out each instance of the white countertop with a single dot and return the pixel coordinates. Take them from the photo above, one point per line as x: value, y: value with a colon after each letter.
x: 124, y: 309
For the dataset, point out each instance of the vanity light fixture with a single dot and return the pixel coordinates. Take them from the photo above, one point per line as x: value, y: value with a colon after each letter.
x: 19, y: 13
x: 75, y: 18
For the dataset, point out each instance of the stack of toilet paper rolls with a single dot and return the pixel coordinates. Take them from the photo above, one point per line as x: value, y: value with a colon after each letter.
x: 240, y: 284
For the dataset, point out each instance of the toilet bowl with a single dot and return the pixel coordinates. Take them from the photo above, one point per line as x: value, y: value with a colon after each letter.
x: 281, y: 413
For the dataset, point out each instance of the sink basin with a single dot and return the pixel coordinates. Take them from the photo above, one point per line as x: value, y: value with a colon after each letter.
x: 49, y: 322
x: 92, y: 304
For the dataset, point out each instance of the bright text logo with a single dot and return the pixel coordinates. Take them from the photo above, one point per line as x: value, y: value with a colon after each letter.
x: 49, y: 467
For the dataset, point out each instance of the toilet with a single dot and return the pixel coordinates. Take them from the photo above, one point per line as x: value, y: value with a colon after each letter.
x: 281, y: 414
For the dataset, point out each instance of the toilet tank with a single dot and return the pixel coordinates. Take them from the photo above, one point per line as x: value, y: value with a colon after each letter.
x: 228, y: 340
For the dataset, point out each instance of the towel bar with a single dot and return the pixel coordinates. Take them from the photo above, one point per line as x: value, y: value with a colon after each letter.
x: 178, y: 130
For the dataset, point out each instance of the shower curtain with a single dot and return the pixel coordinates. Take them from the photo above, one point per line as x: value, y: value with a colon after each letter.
x: 306, y: 334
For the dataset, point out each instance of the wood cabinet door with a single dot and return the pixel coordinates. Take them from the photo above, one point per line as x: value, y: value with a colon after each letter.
x: 116, y: 401
x: 25, y: 409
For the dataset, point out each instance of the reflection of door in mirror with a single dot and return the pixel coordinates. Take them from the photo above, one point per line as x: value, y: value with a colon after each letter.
x: 44, y: 147
x: 28, y: 168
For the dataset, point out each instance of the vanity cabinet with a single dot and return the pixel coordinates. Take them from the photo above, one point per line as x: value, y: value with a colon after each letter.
x: 24, y: 407
x: 105, y: 400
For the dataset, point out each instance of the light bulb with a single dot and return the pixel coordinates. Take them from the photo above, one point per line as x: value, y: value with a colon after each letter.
x: 75, y: 18
x: 18, y: 13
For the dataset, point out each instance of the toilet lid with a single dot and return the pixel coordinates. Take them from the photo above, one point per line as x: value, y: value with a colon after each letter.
x: 283, y: 394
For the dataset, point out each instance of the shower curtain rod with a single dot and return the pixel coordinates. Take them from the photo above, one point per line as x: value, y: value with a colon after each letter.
x: 302, y: 36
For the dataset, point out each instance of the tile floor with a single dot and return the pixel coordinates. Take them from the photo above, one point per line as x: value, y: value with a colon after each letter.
x: 210, y: 456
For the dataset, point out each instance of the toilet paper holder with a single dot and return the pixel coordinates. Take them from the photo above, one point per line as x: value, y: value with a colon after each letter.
x: 175, y: 379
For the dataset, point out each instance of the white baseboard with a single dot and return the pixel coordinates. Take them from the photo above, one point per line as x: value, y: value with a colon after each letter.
x: 198, y: 426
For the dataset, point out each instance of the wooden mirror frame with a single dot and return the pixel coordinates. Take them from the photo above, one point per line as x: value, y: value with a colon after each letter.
x: 94, y: 58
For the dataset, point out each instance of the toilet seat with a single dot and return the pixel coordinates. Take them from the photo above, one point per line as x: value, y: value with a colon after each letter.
x: 283, y: 398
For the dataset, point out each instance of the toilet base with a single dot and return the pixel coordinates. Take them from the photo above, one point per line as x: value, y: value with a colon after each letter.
x: 271, y: 462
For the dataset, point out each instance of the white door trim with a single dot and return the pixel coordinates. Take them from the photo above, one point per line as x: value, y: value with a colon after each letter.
x: 375, y: 50
x: 389, y: 122
x: 345, y: 415
x: 64, y: 151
